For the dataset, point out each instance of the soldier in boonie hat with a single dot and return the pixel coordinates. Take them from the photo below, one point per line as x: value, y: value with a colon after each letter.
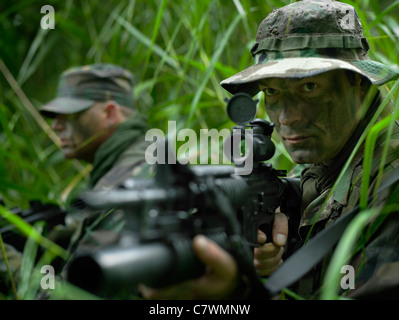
x: 306, y: 38
x: 312, y: 63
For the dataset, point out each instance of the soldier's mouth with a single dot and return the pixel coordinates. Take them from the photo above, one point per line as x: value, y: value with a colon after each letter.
x: 296, y: 139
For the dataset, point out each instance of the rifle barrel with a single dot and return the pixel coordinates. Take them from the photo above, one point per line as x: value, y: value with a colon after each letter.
x: 153, y: 264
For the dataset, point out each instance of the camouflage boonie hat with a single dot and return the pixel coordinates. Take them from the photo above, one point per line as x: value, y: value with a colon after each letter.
x: 81, y: 87
x: 307, y: 38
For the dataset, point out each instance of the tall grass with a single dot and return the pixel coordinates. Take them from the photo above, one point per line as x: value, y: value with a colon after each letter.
x: 178, y: 50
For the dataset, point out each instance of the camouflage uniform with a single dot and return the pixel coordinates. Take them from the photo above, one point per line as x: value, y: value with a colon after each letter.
x: 379, y: 252
x: 308, y: 38
x: 120, y: 157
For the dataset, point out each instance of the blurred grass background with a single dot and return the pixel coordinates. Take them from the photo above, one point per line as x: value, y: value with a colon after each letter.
x: 178, y: 50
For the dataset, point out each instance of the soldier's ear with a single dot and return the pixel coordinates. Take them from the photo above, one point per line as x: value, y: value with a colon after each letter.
x: 112, y: 113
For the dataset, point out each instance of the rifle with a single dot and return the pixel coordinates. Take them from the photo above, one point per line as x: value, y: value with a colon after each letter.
x: 38, y: 211
x: 164, y: 213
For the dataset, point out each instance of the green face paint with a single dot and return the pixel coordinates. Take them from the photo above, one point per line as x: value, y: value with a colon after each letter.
x: 314, y: 116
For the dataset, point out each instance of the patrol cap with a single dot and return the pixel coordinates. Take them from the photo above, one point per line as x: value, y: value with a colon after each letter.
x: 307, y: 38
x: 81, y: 87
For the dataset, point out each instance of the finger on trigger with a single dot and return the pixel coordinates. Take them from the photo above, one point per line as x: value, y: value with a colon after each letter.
x: 280, y: 229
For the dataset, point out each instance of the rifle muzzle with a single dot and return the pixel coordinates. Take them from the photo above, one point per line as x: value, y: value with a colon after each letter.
x: 153, y: 264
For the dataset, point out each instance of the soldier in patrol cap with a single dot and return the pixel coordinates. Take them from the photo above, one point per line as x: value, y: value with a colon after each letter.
x: 96, y: 121
x: 320, y: 87
x: 95, y: 118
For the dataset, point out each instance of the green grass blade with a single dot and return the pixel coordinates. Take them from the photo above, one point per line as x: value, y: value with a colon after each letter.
x: 4, y: 255
x: 28, y: 231
x: 342, y: 253
x: 28, y: 260
x: 370, y: 144
x: 146, y: 41
x: 211, y: 67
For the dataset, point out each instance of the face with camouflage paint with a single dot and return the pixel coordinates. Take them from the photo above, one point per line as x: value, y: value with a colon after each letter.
x: 315, y: 116
x: 82, y: 133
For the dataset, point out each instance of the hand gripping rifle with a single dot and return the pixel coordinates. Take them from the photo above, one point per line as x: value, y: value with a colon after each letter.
x: 164, y: 214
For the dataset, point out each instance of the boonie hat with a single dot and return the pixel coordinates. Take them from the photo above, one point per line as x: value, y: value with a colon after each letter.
x: 307, y: 38
x: 81, y: 87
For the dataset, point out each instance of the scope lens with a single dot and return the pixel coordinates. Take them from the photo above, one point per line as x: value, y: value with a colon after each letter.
x: 241, y: 108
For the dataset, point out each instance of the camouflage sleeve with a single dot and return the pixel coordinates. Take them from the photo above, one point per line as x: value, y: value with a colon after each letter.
x: 378, y: 264
x: 130, y: 164
x: 95, y: 228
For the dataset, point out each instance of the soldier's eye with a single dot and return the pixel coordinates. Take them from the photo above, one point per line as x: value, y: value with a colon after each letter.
x: 270, y: 91
x: 310, y: 86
